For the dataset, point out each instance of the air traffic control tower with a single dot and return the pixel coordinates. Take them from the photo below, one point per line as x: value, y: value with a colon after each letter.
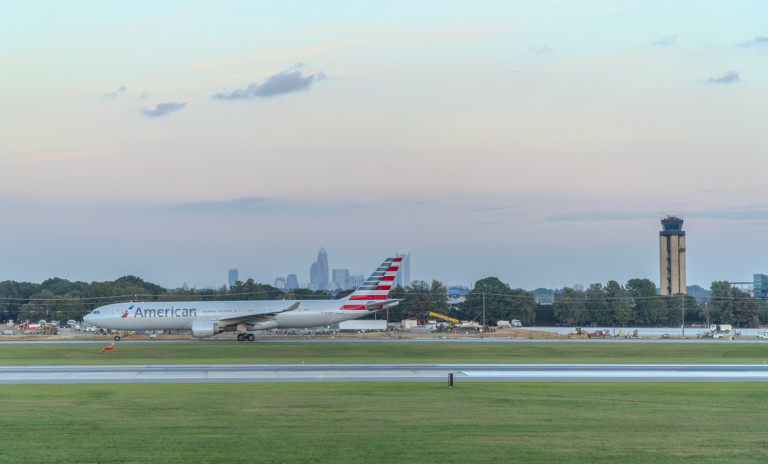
x: 672, y: 256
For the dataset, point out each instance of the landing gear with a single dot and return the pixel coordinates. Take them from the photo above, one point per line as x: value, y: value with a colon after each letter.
x: 245, y: 336
x: 240, y: 337
x: 117, y: 338
x: 251, y: 337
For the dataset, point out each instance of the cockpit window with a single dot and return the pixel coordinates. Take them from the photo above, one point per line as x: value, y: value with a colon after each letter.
x: 96, y: 312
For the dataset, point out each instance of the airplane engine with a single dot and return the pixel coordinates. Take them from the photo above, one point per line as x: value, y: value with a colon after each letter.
x: 202, y: 329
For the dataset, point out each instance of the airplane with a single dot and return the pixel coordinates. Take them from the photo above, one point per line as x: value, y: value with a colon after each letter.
x: 208, y: 318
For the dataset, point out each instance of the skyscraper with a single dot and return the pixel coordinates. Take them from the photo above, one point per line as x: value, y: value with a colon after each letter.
x: 318, y: 272
x: 291, y: 282
x: 672, y: 256
x: 341, y: 278
x: 232, y: 277
x: 404, y: 274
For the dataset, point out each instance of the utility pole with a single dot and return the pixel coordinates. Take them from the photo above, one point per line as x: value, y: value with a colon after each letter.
x: 682, y: 308
x: 483, y: 332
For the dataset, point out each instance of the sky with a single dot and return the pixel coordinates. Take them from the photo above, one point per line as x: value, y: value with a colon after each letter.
x: 539, y: 142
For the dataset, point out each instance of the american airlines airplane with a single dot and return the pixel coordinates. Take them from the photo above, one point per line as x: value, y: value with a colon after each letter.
x: 208, y: 318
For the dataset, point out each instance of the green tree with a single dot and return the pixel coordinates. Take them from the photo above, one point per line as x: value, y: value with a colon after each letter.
x: 97, y: 294
x: 597, y: 305
x: 421, y: 298
x: 721, y: 307
x: 501, y: 302
x: 745, y: 309
x: 570, y: 307
x: 644, y: 299
x: 619, y: 303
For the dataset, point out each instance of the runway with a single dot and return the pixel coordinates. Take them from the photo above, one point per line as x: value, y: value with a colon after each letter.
x: 210, y: 373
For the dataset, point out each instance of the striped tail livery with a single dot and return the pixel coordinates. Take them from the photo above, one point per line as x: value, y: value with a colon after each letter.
x: 372, y: 295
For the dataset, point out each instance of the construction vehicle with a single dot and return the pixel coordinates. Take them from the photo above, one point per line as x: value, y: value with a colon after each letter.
x: 580, y: 333
x: 445, y: 318
x: 599, y: 334
x: 721, y: 331
x: 49, y: 328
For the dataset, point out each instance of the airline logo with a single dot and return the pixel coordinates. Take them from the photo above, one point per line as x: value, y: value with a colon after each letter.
x: 164, y: 312
x: 377, y: 286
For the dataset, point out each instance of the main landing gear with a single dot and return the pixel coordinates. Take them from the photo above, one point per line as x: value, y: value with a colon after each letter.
x: 245, y: 336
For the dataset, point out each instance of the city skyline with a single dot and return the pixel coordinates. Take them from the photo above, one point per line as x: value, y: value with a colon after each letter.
x: 539, y: 142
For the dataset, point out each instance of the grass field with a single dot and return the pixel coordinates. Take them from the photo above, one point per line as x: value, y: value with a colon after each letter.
x: 251, y: 353
x: 385, y: 422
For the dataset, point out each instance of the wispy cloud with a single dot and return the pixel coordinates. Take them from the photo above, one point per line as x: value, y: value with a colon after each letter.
x: 588, y: 216
x: 541, y: 50
x: 115, y: 93
x: 756, y: 42
x: 163, y: 109
x: 248, y: 204
x: 756, y: 212
x: 281, y: 83
x: 667, y: 41
x: 74, y: 155
x: 731, y: 77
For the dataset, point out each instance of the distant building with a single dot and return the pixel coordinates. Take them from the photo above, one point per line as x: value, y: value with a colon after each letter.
x: 403, y: 277
x: 232, y: 277
x: 280, y: 283
x: 672, y: 256
x: 355, y: 281
x: 761, y: 287
x: 291, y: 282
x: 318, y: 272
x: 341, y: 278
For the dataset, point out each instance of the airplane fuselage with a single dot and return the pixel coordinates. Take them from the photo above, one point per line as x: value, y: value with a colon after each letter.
x: 181, y: 315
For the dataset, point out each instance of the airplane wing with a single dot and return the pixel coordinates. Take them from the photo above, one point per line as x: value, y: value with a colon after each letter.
x: 254, y: 317
x: 378, y: 305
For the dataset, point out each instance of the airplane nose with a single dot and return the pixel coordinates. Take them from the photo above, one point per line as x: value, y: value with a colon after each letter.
x: 87, y: 318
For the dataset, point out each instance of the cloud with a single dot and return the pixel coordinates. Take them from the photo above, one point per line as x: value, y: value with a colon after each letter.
x: 541, y: 50
x: 756, y: 42
x: 601, y: 217
x: 74, y: 155
x: 728, y: 78
x: 248, y: 204
x: 278, y: 84
x: 115, y: 93
x: 163, y: 109
x: 667, y: 41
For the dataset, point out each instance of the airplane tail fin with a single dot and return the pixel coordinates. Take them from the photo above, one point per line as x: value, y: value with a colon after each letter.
x: 372, y: 295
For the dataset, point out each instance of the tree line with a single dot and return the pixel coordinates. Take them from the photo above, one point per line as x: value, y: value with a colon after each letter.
x: 59, y: 299
x: 637, y: 303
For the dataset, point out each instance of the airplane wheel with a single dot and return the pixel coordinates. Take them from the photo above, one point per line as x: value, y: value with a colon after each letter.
x: 240, y: 337
x: 251, y: 337
x: 117, y: 338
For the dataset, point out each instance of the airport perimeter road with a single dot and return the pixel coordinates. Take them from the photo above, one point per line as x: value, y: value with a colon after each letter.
x: 385, y: 373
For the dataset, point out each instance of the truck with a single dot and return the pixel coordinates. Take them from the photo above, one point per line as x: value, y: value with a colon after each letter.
x: 721, y: 331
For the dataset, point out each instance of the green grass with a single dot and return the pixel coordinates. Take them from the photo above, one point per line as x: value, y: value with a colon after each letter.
x: 385, y: 422
x: 250, y: 353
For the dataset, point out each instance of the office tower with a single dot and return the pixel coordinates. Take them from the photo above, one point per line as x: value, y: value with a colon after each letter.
x: 318, y: 272
x: 341, y: 278
x: 291, y: 282
x: 232, y: 277
x: 404, y: 274
x: 280, y: 283
x: 672, y: 256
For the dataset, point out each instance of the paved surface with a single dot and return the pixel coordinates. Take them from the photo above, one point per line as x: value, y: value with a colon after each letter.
x: 320, y: 341
x: 383, y: 373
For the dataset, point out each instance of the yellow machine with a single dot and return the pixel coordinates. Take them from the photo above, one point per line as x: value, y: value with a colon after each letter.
x: 445, y: 318
x: 579, y: 333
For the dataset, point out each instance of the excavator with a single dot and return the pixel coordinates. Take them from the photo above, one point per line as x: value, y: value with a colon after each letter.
x: 445, y: 318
